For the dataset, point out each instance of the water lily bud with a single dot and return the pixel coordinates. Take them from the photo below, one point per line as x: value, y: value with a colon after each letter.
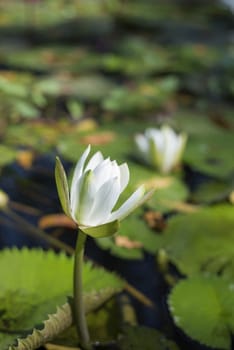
x: 161, y: 148
x: 95, y: 189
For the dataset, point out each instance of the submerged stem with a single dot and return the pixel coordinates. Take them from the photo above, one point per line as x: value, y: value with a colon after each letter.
x: 79, y: 307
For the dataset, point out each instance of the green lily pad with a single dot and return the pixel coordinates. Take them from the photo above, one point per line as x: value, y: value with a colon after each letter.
x: 169, y: 189
x: 200, y: 242
x: 212, y: 192
x: 192, y: 57
x: 7, y: 155
x: 48, y: 15
x: 54, y: 58
x: 40, y: 136
x: 144, y: 97
x: 193, y: 123
x: 203, y: 308
x: 210, y: 154
x: 134, y: 237
x: 30, y: 288
x: 91, y: 88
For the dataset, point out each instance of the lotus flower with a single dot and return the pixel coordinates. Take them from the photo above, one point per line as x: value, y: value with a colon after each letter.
x: 161, y: 148
x: 95, y: 188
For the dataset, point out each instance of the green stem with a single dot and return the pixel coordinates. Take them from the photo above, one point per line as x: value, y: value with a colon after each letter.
x: 79, y: 307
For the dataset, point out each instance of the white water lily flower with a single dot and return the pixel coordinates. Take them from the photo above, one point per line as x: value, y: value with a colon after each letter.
x: 95, y: 188
x: 161, y: 148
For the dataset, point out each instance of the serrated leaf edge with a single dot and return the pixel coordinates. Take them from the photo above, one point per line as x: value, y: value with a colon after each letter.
x: 54, y: 325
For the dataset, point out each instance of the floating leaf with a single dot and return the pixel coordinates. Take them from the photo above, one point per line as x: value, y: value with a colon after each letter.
x: 203, y: 308
x: 125, y: 242
x: 210, y: 153
x: 7, y: 155
x: 31, y: 289
x: 200, y: 241
x: 144, y: 97
x: 212, y: 191
x: 25, y: 158
x: 100, y: 138
x: 168, y: 189
x: 56, y: 220
x: 135, y: 232
x: 86, y: 88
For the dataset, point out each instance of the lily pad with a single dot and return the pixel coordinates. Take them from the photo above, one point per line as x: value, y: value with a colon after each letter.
x: 210, y: 153
x: 144, y: 97
x: 91, y: 88
x: 169, y: 190
x: 200, y: 242
x: 54, y: 58
x: 203, y: 308
x: 212, y: 191
x: 7, y: 155
x: 136, y: 236
x: 28, y: 294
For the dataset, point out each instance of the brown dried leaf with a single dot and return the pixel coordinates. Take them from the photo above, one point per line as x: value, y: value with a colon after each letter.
x: 87, y: 124
x: 158, y: 182
x: 155, y: 220
x: 99, y: 139
x: 25, y: 158
x: 56, y: 220
x: 125, y: 242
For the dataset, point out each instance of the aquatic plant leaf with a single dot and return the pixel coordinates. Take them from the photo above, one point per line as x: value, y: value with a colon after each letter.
x: 54, y: 325
x: 200, y: 242
x: 168, y: 189
x: 203, y: 308
x: 41, y: 136
x: 104, y: 326
x: 91, y: 88
x: 193, y: 123
x: 31, y: 289
x: 7, y: 155
x: 139, y: 338
x: 210, y: 153
x: 145, y: 97
x: 136, y: 230
x: 212, y: 191
x: 54, y: 58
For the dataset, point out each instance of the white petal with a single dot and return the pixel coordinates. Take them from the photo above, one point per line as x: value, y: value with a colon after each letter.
x: 94, y: 161
x: 104, y: 201
x: 102, y: 172
x: 86, y: 196
x: 75, y: 203
x: 170, y: 149
x: 157, y: 137
x: 127, y: 207
x: 115, y: 172
x: 77, y: 174
x: 124, y: 176
x: 142, y: 143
